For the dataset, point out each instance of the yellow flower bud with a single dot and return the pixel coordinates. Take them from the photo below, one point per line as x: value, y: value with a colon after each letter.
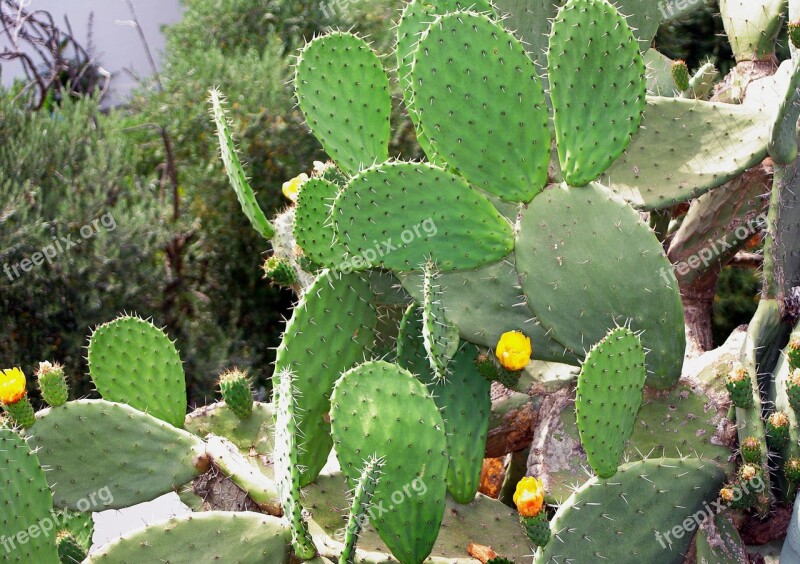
x: 292, y: 187
x: 514, y: 350
x: 529, y: 497
x: 12, y: 386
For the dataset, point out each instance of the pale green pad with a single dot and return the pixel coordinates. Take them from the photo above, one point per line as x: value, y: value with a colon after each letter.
x: 89, y: 445
x: 202, y: 538
x: 597, y: 87
x: 344, y: 93
x: 608, y: 397
x: 752, y: 26
x: 236, y: 175
x: 725, y: 546
x: 481, y: 104
x: 381, y: 409
x: 25, y: 501
x: 531, y: 20
x: 417, y: 16
x: 616, y: 520
x: 406, y: 213
x: 133, y: 362
x: 320, y: 343
x: 704, y: 145
x: 254, y: 434
x: 589, y: 264
x: 486, y: 302
x: 313, y: 228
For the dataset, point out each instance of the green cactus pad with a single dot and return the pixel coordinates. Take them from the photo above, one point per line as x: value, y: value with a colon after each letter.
x: 252, y: 435
x: 70, y: 550
x: 52, y: 383
x: 485, y: 521
x: 25, y: 502
x: 597, y: 87
x: 537, y: 528
x: 79, y: 525
x: 279, y: 270
x: 752, y: 27
x: 312, y: 223
x: 317, y: 346
x: 588, y: 264
x: 89, y: 445
x: 493, y: 127
x: 680, y: 75
x: 710, y: 144
x: 367, y: 419
x: 718, y: 542
x: 362, y: 501
x: 21, y: 412
x: 344, y: 93
x: 608, y: 397
x: 236, y: 391
x: 486, y: 302
x: 616, y: 519
x: 236, y: 175
x: 202, y: 538
x: 133, y: 362
x: 402, y: 214
x: 417, y: 16
x: 439, y: 336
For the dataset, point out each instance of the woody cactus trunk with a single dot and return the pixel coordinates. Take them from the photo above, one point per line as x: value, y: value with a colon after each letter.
x: 526, y: 287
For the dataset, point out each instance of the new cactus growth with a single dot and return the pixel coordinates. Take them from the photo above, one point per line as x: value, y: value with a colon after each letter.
x: 737, y: 381
x: 362, y: 500
x: 235, y: 387
x: 52, y: 383
x: 777, y: 427
x: 680, y: 75
x: 751, y: 450
x: 529, y: 499
x: 791, y: 469
x: 14, y: 397
x: 279, y: 271
x: 793, y: 353
x: 69, y: 549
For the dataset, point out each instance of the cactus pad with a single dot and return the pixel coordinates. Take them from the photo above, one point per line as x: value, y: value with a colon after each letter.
x: 710, y: 144
x: 235, y: 388
x: 202, y: 538
x: 598, y: 87
x: 133, y: 362
x: 617, y: 519
x: 312, y: 223
x: 317, y: 346
x: 25, y: 501
x: 252, y: 435
x: 481, y: 105
x: 402, y: 214
x: 609, y: 395
x: 344, y: 93
x: 589, y: 264
x: 89, y: 445
x: 439, y: 336
x: 362, y: 501
x: 52, y: 383
x: 367, y: 419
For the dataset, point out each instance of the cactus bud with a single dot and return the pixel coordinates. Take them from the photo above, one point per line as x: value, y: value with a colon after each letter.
x: 14, y: 397
x: 69, y: 549
x: 236, y: 392
x: 777, y: 430
x: 52, y: 383
x: 487, y: 367
x: 794, y: 33
x: 791, y: 469
x: 794, y: 353
x: 739, y: 386
x: 538, y: 528
x: 751, y: 450
x: 793, y: 389
x: 529, y: 499
x: 514, y: 350
x: 279, y: 271
x: 680, y: 75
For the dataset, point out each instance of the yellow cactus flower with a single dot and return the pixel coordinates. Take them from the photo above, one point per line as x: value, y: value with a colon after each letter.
x: 514, y: 350
x: 292, y: 187
x: 529, y: 497
x: 779, y: 419
x: 12, y: 386
x: 748, y: 472
x: 727, y: 494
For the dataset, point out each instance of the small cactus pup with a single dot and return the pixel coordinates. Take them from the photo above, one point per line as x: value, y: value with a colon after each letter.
x: 743, y: 492
x: 777, y: 428
x: 751, y: 450
x: 793, y: 389
x: 235, y: 387
x: 14, y: 397
x: 279, y: 271
x: 53, y: 384
x: 791, y: 469
x: 794, y: 33
x: 70, y: 550
x: 680, y: 75
x: 529, y: 499
x: 487, y: 367
x: 793, y: 352
x: 738, y: 384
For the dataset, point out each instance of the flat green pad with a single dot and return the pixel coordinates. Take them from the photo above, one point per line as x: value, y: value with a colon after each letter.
x: 200, y: 538
x: 79, y: 525
x: 254, y: 434
x: 709, y: 144
x: 236, y: 175
x: 485, y: 521
x: 417, y: 16
x: 25, y: 501
x: 597, y: 87
x: 644, y: 17
x: 616, y: 520
x: 481, y: 105
x: 608, y: 397
x: 383, y: 410
x: 589, y: 264
x: 486, y: 302
x: 133, y: 362
x: 531, y: 21
x: 331, y: 329
x: 406, y: 213
x: 720, y: 543
x: 313, y: 228
x: 439, y: 335
x: 90, y: 445
x: 344, y: 93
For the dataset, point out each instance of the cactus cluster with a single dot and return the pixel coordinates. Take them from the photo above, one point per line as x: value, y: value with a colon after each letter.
x: 519, y: 242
